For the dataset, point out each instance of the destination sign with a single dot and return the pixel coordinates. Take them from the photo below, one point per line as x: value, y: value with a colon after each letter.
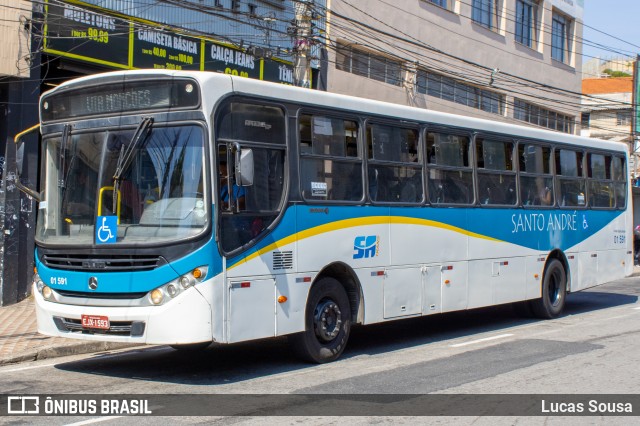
x: 118, y: 98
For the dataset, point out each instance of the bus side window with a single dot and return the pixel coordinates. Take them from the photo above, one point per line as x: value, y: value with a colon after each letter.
x: 330, y: 164
x: 247, y: 211
x: 450, y: 172
x: 496, y: 174
x: 536, y: 178
x: 571, y: 188
x: 395, y: 167
x: 619, y: 171
x: 600, y: 183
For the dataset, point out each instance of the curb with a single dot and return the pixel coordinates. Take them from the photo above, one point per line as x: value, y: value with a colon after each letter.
x: 65, y: 350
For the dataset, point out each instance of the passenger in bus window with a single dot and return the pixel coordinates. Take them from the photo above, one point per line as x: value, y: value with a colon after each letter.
x: 544, y: 193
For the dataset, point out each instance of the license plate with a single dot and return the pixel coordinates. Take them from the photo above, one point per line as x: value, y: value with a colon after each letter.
x: 95, y: 321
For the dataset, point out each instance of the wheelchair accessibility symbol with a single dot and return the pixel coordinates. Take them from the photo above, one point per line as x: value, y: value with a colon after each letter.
x: 106, y: 229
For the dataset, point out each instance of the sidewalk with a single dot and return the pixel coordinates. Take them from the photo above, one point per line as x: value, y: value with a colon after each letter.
x: 20, y: 341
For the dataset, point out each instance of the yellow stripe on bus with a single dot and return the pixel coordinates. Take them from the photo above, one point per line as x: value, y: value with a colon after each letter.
x: 352, y: 223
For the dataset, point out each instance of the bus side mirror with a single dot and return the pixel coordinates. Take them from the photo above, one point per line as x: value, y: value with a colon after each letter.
x: 244, y: 167
x: 18, y: 146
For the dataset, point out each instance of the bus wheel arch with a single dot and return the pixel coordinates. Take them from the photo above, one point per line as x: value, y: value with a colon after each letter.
x: 562, y: 258
x: 553, y: 290
x: 332, y: 305
x: 343, y: 273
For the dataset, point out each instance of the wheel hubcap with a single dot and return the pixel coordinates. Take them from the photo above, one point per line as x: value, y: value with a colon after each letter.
x: 554, y: 289
x: 327, y: 320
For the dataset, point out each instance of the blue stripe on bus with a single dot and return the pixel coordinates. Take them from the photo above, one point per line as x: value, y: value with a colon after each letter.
x: 543, y: 230
x: 132, y: 282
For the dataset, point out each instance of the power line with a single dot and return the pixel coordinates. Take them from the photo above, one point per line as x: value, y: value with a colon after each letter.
x: 416, y: 43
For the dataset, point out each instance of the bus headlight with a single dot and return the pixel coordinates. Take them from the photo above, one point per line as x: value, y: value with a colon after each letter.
x: 157, y: 296
x: 47, y: 292
x: 173, y: 288
x: 185, y: 281
x: 38, y: 282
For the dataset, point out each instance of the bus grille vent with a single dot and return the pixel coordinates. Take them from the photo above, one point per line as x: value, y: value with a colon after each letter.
x: 282, y: 260
x: 114, y: 263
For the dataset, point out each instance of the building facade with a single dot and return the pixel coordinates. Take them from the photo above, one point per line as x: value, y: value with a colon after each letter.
x: 507, y: 60
x: 607, y: 112
x: 15, y: 59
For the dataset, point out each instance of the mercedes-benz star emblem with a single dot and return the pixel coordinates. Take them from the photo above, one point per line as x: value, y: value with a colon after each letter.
x: 93, y: 283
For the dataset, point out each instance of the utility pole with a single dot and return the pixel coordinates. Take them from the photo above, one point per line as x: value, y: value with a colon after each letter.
x: 635, y: 117
x: 301, y: 33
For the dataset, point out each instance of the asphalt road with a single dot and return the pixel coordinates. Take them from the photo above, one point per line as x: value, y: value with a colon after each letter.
x: 592, y: 349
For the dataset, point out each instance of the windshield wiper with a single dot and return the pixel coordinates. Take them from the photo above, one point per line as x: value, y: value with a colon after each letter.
x: 126, y: 156
x: 62, y: 183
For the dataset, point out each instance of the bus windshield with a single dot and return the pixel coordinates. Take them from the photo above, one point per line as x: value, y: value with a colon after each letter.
x: 159, y: 186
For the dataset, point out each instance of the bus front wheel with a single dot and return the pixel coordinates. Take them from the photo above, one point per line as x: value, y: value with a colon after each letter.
x: 554, y: 289
x: 327, y: 323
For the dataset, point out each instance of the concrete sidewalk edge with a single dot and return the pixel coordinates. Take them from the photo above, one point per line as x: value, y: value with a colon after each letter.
x: 48, y: 352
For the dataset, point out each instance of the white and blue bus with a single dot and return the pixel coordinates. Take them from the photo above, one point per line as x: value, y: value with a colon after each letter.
x: 185, y: 208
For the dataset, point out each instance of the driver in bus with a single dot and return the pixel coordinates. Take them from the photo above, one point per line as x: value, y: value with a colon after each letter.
x: 238, y: 191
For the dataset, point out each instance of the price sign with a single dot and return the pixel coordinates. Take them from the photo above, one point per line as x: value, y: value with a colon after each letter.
x: 230, y: 61
x: 154, y: 48
x: 91, y: 36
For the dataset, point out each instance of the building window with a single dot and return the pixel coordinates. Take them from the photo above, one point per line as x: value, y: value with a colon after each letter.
x: 623, y: 118
x: 560, y: 36
x: 526, y: 17
x: 441, y: 3
x: 447, y: 88
x: 484, y: 13
x: 368, y: 65
x: 585, y: 118
x: 543, y: 117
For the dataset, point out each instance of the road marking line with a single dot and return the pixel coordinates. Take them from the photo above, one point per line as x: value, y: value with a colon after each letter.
x: 27, y: 368
x: 91, y: 421
x: 486, y: 339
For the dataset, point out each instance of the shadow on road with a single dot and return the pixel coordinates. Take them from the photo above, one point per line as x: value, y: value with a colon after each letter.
x: 224, y: 364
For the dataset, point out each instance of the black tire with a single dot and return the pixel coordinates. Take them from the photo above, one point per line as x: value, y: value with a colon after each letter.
x: 327, y: 323
x: 191, y: 347
x: 554, y: 291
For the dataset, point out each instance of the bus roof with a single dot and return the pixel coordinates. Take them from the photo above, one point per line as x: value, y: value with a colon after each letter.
x: 303, y: 96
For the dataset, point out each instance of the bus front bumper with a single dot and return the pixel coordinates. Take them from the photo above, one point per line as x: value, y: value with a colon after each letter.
x: 185, y: 319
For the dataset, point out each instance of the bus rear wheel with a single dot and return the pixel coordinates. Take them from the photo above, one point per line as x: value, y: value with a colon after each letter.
x: 554, y: 291
x: 327, y: 323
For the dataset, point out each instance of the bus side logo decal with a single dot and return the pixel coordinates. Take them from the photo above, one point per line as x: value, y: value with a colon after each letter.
x: 365, y: 247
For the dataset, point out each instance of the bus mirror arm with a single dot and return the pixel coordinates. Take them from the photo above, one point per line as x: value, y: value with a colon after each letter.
x: 18, y: 147
x: 244, y: 167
